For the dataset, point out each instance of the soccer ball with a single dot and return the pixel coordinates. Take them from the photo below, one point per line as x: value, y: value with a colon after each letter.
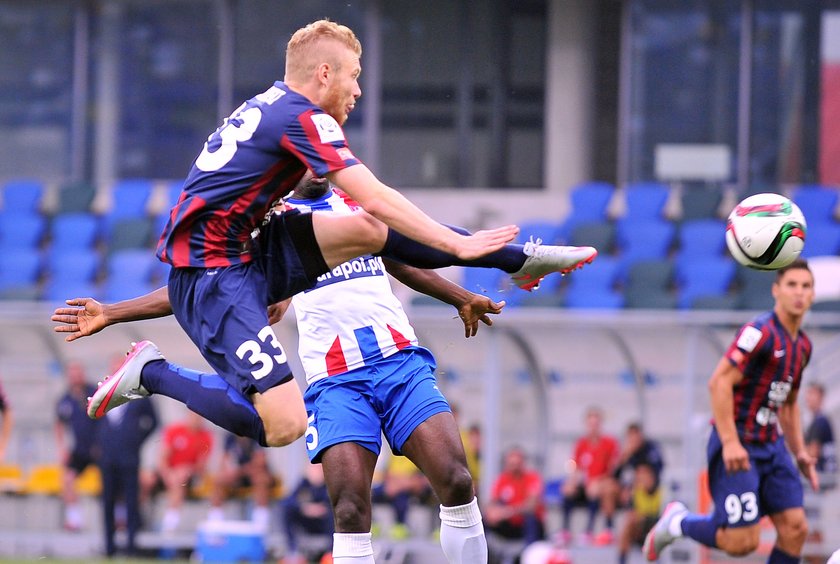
x: 765, y: 232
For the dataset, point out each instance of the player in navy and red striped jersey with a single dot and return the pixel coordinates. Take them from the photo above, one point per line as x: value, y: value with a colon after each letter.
x: 751, y: 474
x: 258, y: 154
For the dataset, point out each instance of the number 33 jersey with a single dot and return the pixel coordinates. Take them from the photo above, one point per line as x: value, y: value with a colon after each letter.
x: 255, y: 157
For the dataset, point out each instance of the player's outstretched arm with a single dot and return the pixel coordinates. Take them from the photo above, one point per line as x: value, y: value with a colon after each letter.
x: 472, y: 307
x: 393, y: 209
x: 87, y: 316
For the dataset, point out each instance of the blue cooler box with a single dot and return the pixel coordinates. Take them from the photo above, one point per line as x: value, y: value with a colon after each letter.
x: 230, y: 541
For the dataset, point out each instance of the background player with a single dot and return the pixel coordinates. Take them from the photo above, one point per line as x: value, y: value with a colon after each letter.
x: 754, y: 387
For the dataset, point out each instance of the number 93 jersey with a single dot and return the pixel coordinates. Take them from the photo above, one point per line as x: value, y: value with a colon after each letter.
x: 255, y: 157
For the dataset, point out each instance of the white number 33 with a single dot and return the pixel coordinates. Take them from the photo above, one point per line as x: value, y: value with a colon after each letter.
x: 262, y: 361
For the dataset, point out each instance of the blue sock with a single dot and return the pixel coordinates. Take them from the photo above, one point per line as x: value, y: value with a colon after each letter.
x: 593, y: 506
x: 700, y: 528
x: 400, y: 248
x: 778, y: 556
x: 209, y: 395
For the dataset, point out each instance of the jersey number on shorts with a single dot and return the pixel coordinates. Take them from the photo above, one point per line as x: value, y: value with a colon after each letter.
x: 239, y: 127
x: 252, y: 352
x: 745, y: 507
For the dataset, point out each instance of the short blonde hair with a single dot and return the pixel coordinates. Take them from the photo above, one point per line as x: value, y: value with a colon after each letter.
x: 301, y: 54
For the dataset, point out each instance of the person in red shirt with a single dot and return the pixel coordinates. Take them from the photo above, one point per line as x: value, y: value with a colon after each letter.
x: 184, y: 450
x: 516, y: 508
x: 595, y: 456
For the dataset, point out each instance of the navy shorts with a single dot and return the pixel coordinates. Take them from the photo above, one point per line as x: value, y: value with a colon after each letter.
x: 392, y: 396
x: 770, y: 486
x: 290, y: 254
x: 224, y: 310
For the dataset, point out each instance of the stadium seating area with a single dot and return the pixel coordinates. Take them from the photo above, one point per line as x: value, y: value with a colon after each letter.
x: 665, y: 248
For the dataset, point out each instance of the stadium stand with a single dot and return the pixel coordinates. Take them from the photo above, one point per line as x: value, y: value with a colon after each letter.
x: 650, y: 285
x: 754, y: 289
x: 818, y: 203
x: 72, y: 273
x: 701, y: 202
x: 589, y: 203
x: 129, y: 274
x: 597, y: 288
x: 76, y: 197
x: 20, y: 271
x: 821, y: 239
x: 704, y: 277
x: 599, y: 234
x: 130, y: 199
x: 21, y: 231
x: 130, y: 233
x: 22, y: 196
x: 74, y: 231
x: 645, y: 200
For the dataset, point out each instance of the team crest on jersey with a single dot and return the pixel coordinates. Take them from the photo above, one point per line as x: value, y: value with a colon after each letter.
x: 749, y: 338
x: 328, y: 129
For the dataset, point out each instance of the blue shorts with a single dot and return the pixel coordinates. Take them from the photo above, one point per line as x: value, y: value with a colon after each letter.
x: 223, y: 310
x: 770, y: 486
x: 391, y: 396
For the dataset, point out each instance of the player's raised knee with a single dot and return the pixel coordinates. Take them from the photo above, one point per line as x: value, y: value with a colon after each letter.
x: 284, y: 432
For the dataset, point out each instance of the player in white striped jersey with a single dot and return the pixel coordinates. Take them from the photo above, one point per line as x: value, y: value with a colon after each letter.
x: 367, y: 375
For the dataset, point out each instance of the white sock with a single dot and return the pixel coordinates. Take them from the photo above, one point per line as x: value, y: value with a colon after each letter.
x: 171, y: 518
x: 352, y: 548
x: 261, y: 517
x: 675, y: 526
x: 216, y: 514
x: 73, y: 515
x: 462, y: 534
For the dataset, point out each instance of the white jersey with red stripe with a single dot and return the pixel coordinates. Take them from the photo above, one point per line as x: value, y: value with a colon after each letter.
x: 351, y: 317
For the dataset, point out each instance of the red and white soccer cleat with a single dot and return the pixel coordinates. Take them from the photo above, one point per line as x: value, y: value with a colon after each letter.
x: 123, y: 385
x: 545, y: 259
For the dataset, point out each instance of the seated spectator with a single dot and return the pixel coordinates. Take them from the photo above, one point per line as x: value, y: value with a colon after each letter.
x: 645, y: 505
x: 184, y: 449
x: 243, y: 464
x: 516, y: 510
x: 619, y: 487
x: 307, y: 510
x: 72, y: 420
x: 402, y: 485
x: 594, y: 458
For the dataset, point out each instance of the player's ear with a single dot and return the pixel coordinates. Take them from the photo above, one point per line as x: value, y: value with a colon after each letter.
x: 324, y: 73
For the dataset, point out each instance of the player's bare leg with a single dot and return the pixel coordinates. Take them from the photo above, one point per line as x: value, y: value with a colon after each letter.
x: 342, y: 238
x: 738, y: 541
x: 435, y: 447
x: 283, y: 413
x: 792, y: 528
